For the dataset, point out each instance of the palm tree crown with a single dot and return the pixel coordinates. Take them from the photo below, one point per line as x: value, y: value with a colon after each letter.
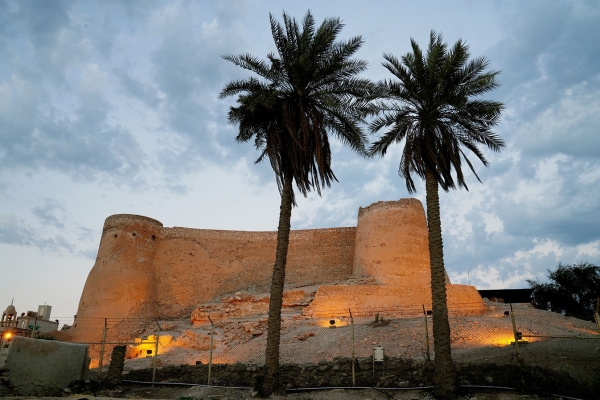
x: 308, y: 88
x: 433, y: 109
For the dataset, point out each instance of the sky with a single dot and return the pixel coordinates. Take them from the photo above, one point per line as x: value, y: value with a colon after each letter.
x: 110, y: 107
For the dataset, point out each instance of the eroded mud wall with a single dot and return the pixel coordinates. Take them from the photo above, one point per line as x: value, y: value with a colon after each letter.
x: 122, y: 281
x: 195, y: 266
x: 143, y: 269
x: 392, y: 244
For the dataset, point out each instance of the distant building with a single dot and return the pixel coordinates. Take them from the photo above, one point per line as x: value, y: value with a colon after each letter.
x: 29, y: 322
x: 507, y: 295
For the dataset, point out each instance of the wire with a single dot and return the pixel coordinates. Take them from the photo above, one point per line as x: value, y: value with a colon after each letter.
x: 184, y: 384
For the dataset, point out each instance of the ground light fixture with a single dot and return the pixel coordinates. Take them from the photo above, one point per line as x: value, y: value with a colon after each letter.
x: 6, y: 337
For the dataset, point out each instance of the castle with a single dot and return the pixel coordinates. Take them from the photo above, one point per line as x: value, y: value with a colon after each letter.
x: 146, y: 270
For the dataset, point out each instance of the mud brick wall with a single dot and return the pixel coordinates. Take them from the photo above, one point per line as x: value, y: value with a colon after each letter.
x: 121, y: 281
x: 195, y: 266
x: 145, y: 270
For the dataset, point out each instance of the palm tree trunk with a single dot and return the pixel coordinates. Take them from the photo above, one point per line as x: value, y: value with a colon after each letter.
x: 444, y: 374
x: 272, y: 382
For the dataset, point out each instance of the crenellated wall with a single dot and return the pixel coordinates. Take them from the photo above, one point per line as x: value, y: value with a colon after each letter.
x: 145, y: 270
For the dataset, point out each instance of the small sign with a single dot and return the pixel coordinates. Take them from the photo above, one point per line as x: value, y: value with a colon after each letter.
x: 378, y: 354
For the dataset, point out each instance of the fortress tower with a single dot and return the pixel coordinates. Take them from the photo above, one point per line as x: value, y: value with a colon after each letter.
x: 391, y: 243
x: 122, y: 281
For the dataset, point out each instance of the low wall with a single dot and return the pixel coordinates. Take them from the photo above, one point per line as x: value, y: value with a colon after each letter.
x: 392, y: 373
x: 36, y: 366
x: 326, y: 373
x: 391, y: 301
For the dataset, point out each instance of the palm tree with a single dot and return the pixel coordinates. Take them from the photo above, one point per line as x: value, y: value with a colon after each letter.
x: 432, y: 107
x: 307, y: 89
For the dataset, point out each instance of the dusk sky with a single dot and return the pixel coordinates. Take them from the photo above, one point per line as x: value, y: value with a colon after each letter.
x: 110, y: 107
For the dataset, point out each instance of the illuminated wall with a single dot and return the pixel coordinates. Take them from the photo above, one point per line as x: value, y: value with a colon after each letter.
x: 144, y: 269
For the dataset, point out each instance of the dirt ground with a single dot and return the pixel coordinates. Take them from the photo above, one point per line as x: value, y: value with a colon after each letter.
x: 203, y: 393
x: 550, y: 341
x: 553, y: 341
x: 334, y: 394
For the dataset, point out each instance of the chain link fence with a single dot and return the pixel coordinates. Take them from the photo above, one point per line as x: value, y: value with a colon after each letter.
x: 504, y: 334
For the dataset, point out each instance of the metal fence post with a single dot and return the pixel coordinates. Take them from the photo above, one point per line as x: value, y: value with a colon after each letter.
x: 157, y: 339
x: 102, y: 349
x: 212, y: 331
x: 597, y: 316
x: 426, y: 335
x: 515, y: 333
x: 353, y: 355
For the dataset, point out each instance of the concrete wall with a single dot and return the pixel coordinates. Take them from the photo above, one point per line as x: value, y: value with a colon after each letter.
x: 33, y: 365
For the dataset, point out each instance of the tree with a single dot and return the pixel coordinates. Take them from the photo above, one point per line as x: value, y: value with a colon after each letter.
x: 431, y: 107
x: 573, y: 290
x: 306, y: 90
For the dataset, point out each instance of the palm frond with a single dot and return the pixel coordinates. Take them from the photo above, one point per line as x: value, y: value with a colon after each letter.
x: 432, y: 107
x: 307, y: 89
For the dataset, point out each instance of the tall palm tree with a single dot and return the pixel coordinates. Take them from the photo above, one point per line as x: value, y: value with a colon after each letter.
x: 433, y: 107
x: 306, y: 90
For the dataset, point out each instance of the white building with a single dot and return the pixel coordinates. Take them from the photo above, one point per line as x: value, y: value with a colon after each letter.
x: 31, y: 321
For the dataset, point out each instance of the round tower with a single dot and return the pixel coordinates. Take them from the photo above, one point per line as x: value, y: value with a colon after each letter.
x: 392, y: 244
x: 121, y: 283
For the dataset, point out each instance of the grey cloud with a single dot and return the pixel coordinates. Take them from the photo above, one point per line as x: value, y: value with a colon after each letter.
x: 552, y: 47
x: 551, y: 83
x: 47, y: 120
x: 90, y: 253
x: 82, y: 148
x: 560, y: 208
x: 38, y: 39
x: 36, y: 134
x: 13, y: 231
x: 18, y: 232
x: 137, y: 88
x: 87, y: 234
x: 189, y: 70
x: 567, y: 127
x: 46, y: 214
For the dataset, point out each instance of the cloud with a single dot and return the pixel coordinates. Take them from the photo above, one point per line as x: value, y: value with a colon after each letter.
x: 190, y: 72
x: 54, y: 111
x: 17, y: 232
x: 87, y: 234
x: 569, y: 126
x: 550, y: 49
x: 46, y: 213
